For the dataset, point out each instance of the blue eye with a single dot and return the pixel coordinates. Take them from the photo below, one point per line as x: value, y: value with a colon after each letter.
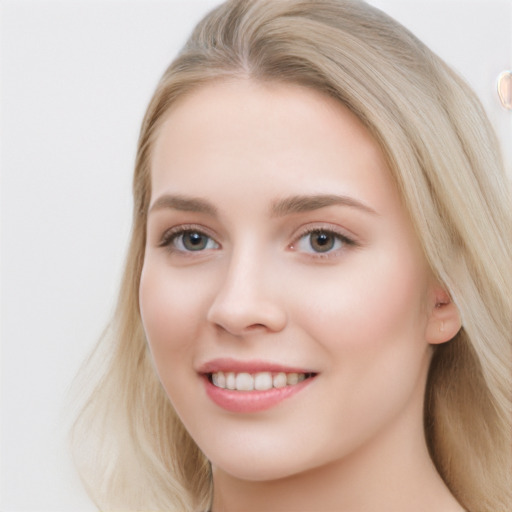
x: 321, y: 241
x: 189, y: 240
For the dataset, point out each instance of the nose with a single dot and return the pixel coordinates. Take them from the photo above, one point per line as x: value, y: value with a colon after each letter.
x: 248, y: 298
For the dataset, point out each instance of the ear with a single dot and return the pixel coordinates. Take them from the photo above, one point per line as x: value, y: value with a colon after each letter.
x: 444, y: 319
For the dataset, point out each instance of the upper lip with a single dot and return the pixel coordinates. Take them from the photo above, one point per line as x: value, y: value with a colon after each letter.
x: 252, y: 366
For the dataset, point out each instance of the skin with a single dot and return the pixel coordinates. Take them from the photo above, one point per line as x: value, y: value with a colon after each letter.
x: 363, y: 315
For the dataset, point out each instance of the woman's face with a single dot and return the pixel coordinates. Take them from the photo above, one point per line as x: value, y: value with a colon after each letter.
x: 277, y: 245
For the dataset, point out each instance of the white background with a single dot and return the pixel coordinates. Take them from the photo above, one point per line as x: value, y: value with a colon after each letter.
x: 75, y: 80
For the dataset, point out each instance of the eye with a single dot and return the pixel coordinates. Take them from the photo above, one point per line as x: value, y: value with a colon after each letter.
x: 321, y: 241
x: 188, y: 240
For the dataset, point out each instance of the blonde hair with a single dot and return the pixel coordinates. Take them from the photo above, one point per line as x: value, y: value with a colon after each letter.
x: 132, y: 450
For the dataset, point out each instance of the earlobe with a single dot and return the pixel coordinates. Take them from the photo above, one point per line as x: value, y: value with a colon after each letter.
x: 444, y: 320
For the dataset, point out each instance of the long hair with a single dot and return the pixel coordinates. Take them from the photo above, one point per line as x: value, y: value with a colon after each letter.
x: 133, y: 452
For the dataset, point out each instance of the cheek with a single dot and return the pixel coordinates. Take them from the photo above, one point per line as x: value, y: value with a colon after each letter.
x: 169, y: 313
x: 370, y: 322
x: 369, y: 304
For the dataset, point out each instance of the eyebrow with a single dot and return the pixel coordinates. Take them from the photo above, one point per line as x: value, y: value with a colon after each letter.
x: 280, y: 208
x: 184, y: 204
x: 307, y: 203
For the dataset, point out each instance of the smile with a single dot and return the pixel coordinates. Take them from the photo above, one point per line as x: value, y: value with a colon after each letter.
x: 261, y: 381
x: 249, y: 387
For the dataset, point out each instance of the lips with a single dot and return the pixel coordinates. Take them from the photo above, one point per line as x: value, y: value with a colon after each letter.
x: 251, y: 386
x: 253, y: 366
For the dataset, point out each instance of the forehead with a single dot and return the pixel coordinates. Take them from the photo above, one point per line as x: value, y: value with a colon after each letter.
x: 259, y: 133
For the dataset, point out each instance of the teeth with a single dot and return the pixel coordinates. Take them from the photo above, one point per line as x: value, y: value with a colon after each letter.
x: 279, y: 380
x: 244, y: 382
x: 221, y: 380
x: 230, y: 381
x: 292, y: 379
x: 261, y: 381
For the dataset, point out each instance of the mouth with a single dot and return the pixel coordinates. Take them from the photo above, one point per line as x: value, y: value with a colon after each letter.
x: 252, y: 386
x: 260, y: 381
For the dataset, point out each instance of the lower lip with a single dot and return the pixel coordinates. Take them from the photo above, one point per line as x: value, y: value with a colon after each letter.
x: 251, y: 401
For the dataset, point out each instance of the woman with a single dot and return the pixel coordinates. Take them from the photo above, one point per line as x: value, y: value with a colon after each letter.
x: 315, y: 309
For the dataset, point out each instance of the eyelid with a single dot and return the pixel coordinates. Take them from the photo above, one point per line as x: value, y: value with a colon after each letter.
x: 348, y: 240
x: 172, y: 233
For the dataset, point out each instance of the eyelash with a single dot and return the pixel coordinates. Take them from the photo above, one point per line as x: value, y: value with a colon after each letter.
x: 170, y: 237
x: 339, y: 238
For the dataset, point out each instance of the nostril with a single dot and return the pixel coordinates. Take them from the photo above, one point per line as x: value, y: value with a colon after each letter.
x: 255, y: 327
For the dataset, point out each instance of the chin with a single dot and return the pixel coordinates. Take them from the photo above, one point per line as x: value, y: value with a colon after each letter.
x: 260, y: 472
x: 261, y: 464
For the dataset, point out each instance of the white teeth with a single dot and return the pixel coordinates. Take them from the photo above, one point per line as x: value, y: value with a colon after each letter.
x: 279, y: 380
x: 230, y: 380
x: 261, y: 381
x: 244, y: 382
x: 221, y: 380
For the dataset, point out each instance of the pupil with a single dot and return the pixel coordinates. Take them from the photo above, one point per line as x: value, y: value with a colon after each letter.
x: 322, y: 242
x: 194, y: 241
